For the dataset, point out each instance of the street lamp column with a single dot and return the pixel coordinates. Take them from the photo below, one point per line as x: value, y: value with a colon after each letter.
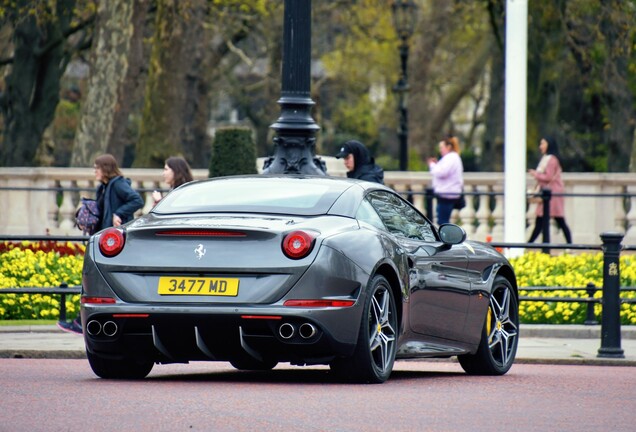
x: 295, y: 129
x: 404, y: 19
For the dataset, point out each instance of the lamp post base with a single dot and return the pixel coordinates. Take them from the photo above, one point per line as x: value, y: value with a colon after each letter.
x: 294, y: 155
x: 610, y: 353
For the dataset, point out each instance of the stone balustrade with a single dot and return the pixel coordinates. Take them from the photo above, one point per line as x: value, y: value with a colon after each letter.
x: 40, y: 201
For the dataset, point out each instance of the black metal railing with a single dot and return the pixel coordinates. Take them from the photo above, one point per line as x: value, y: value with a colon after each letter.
x: 610, y: 319
x: 590, y: 300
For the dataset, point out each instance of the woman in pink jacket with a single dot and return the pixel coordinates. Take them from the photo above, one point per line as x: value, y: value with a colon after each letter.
x: 448, y: 177
x: 548, y: 175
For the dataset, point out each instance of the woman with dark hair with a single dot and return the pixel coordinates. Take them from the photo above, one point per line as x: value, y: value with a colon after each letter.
x: 117, y: 202
x: 448, y: 177
x: 548, y: 176
x: 176, y: 172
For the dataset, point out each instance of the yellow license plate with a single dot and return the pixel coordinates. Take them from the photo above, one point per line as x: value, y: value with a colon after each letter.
x: 174, y: 285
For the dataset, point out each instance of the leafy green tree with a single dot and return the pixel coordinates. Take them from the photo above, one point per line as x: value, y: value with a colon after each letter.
x: 172, y: 90
x: 191, y: 39
x: 249, y: 62
x: 580, y: 88
x: 360, y: 64
x: 44, y: 37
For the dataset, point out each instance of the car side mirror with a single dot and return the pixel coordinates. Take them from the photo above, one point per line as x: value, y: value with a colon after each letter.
x: 452, y: 234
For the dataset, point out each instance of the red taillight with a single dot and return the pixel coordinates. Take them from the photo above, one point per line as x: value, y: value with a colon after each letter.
x: 97, y: 300
x: 298, y: 244
x: 111, y: 242
x: 262, y: 317
x: 319, y: 303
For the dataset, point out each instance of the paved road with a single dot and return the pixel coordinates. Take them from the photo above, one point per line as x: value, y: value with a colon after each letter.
x: 572, y: 344
x: 62, y: 395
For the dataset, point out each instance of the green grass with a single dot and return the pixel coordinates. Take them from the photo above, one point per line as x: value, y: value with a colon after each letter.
x: 26, y: 322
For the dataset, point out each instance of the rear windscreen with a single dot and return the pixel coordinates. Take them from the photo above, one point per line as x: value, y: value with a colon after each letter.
x: 259, y: 195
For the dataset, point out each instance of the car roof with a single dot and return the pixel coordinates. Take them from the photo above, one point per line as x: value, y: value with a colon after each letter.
x: 278, y: 194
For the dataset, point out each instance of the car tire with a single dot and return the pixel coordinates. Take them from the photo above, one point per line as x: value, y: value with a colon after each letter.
x: 119, y: 369
x: 499, y: 336
x: 374, y: 355
x: 250, y: 363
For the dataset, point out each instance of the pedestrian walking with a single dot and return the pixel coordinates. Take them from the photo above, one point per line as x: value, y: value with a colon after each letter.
x: 359, y: 162
x: 117, y: 202
x: 548, y: 176
x: 448, y: 177
x: 176, y: 172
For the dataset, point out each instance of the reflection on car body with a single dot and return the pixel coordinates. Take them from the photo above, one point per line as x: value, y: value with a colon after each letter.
x: 257, y: 270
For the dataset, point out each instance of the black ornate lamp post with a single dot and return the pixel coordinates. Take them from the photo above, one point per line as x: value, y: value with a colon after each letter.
x: 295, y: 140
x: 404, y: 19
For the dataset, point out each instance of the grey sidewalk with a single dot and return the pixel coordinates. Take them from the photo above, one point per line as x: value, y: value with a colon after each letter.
x: 562, y: 344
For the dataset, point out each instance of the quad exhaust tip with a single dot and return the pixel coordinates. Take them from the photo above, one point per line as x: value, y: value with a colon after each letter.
x: 95, y: 328
x: 307, y: 330
x: 286, y: 330
x: 109, y: 328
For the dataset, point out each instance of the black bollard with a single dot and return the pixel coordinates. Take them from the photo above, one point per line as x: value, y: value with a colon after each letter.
x: 610, y: 318
x: 546, y: 196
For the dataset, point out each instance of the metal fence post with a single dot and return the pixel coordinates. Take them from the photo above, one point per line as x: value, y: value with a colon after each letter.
x: 428, y: 195
x: 63, y: 303
x: 546, y: 196
x: 610, y: 318
x: 590, y: 319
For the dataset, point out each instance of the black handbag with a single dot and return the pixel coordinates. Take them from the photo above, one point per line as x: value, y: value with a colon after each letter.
x: 460, y: 202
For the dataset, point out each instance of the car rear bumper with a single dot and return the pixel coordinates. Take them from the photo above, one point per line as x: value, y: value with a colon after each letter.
x: 172, y: 336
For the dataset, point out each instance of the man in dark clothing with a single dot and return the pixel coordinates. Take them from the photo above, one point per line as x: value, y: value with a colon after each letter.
x: 359, y: 162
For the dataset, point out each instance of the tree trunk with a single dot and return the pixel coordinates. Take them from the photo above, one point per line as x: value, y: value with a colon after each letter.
x: 424, y: 135
x: 175, y: 110
x: 632, y: 163
x: 33, y: 85
x: 617, y: 94
x: 123, y: 134
x: 114, y: 73
x: 440, y: 80
x: 491, y: 155
x: 493, y: 142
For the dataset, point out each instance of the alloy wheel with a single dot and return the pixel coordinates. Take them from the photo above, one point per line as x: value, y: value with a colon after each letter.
x: 382, y: 334
x: 502, y: 326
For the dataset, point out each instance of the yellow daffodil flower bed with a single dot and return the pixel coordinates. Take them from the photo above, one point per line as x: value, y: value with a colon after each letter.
x: 47, y: 265
x: 538, y: 269
x: 38, y: 264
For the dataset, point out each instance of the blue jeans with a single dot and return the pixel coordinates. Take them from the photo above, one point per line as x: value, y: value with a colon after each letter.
x: 444, y: 209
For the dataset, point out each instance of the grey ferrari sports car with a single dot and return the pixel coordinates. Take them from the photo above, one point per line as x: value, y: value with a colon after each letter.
x: 257, y: 270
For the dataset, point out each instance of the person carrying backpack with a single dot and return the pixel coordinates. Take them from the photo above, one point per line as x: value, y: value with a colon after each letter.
x: 117, y: 202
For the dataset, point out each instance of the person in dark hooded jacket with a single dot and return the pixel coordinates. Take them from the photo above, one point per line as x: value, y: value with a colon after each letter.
x: 117, y: 202
x: 359, y: 162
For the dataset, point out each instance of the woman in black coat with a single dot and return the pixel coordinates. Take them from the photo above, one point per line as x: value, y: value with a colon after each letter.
x: 117, y: 200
